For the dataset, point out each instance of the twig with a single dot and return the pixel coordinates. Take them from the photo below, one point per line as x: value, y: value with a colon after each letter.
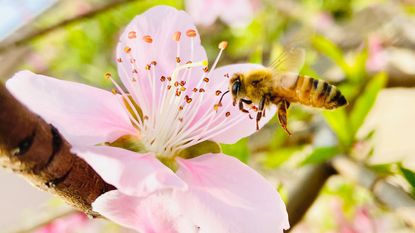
x: 306, y: 191
x: 31, y: 147
x: 7, y: 45
x: 394, y: 198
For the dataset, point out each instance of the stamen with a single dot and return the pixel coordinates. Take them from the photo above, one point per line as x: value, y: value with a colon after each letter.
x: 185, y: 130
x: 148, y: 39
x: 176, y: 36
x: 222, y: 46
x: 127, y: 49
x: 132, y: 35
x: 127, y: 99
x: 188, y: 99
x: 179, y: 68
x: 132, y: 82
x: 191, y: 33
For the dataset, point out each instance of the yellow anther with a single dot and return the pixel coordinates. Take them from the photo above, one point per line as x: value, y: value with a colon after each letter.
x: 108, y: 75
x: 177, y: 35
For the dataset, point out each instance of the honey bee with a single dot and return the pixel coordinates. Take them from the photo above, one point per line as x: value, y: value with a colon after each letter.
x: 280, y: 84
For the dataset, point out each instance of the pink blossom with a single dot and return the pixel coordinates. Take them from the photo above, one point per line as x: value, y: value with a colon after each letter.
x: 236, y: 13
x: 161, y: 64
x: 377, y: 59
x: 68, y: 224
x: 362, y: 220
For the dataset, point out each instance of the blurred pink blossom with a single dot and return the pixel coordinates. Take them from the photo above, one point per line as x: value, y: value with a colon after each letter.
x: 377, y: 59
x: 236, y: 13
x: 68, y: 224
x: 322, y: 21
x: 361, y: 222
x: 162, y: 65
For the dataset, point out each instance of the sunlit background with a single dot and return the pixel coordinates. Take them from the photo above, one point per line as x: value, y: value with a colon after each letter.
x: 366, y: 47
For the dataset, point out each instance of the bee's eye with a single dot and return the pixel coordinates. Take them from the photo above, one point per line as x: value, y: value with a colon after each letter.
x: 235, y: 88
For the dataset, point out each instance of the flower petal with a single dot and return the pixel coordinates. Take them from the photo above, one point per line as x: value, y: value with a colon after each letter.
x: 237, y: 13
x: 148, y: 39
x: 84, y: 115
x: 118, y: 207
x: 204, y: 12
x: 225, y: 195
x: 237, y: 124
x: 158, y: 212
x: 130, y: 172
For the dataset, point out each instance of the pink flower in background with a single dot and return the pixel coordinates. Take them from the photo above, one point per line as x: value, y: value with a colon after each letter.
x: 362, y: 222
x: 161, y: 64
x: 236, y: 13
x: 68, y: 224
x: 377, y: 59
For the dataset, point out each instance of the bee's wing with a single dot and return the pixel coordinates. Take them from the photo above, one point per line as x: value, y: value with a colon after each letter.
x: 290, y: 60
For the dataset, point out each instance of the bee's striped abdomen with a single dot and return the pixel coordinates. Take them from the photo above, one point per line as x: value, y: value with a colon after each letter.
x: 318, y: 93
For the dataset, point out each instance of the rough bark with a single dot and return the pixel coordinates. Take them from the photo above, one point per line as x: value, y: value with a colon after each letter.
x: 34, y: 149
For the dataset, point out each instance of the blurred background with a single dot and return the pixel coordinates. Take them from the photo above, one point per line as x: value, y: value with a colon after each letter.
x: 348, y: 171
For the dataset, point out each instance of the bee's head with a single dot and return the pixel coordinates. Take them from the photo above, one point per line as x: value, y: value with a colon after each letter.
x: 235, y: 86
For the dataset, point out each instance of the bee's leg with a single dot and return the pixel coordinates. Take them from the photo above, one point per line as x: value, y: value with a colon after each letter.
x: 241, y: 106
x: 258, y: 118
x: 242, y: 109
x: 261, y: 109
x: 263, y: 112
x: 246, y: 101
x: 282, y: 114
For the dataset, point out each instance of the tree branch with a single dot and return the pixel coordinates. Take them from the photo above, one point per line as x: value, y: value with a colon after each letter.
x: 394, y: 198
x: 306, y: 191
x: 25, y: 39
x: 31, y: 147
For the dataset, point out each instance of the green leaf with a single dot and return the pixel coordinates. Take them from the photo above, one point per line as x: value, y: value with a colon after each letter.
x: 329, y: 49
x: 239, y: 150
x: 384, y: 169
x: 358, y: 71
x: 366, y: 101
x: 338, y: 122
x: 320, y: 155
x: 278, y: 157
x: 256, y: 56
x: 409, y: 176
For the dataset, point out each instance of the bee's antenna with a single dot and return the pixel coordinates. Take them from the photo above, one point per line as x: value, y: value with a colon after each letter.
x: 220, y: 100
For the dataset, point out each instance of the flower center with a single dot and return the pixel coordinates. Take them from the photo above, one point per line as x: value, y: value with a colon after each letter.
x: 176, y: 109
